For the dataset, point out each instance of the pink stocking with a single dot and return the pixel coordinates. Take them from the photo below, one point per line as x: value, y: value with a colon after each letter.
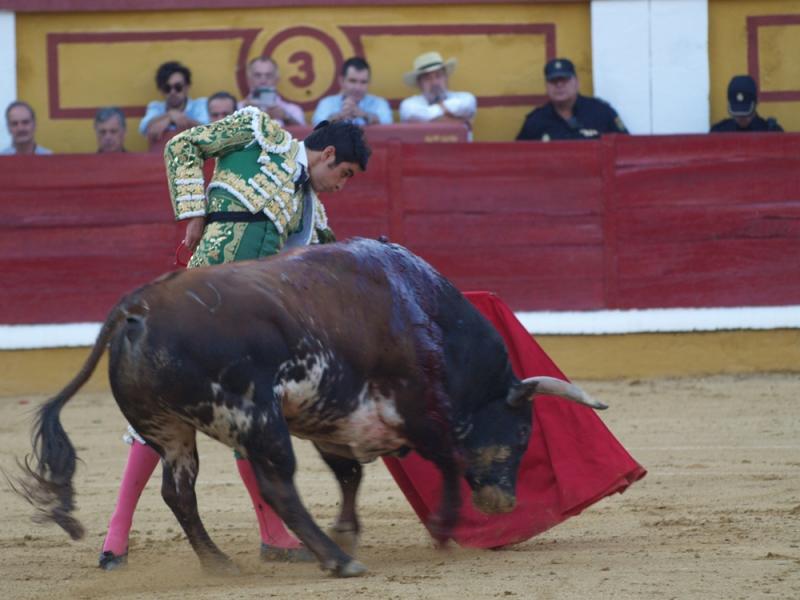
x: 142, y: 460
x: 273, y: 531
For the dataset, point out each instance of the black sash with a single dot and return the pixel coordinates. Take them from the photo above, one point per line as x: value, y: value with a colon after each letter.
x: 236, y: 217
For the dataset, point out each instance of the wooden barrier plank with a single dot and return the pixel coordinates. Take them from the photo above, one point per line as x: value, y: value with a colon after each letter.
x: 354, y: 227
x: 721, y: 183
x: 580, y: 263
x: 458, y: 229
x: 562, y: 160
x: 735, y: 272
x: 579, y: 196
x: 108, y: 241
x: 675, y: 150
x: 544, y: 293
x: 679, y: 224
x: 75, y: 289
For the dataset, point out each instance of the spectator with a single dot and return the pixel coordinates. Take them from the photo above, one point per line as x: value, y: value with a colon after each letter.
x: 436, y: 102
x: 568, y: 115
x: 353, y: 104
x: 21, y: 122
x: 742, y: 102
x: 177, y: 112
x: 220, y: 105
x: 110, y: 129
x: 262, y: 81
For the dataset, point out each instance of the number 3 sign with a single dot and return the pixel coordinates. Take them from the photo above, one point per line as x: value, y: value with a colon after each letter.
x: 310, y: 61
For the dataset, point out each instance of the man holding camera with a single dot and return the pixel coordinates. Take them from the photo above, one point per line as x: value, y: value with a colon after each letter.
x: 353, y: 104
x: 262, y: 81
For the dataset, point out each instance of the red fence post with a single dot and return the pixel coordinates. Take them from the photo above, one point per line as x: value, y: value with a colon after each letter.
x: 608, y: 148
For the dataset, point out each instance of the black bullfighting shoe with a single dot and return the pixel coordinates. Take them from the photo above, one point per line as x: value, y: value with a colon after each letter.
x: 110, y: 561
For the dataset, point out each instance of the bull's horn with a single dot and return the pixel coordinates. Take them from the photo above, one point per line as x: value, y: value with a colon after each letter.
x: 528, y: 388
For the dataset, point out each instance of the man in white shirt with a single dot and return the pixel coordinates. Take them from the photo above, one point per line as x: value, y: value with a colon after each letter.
x: 436, y: 102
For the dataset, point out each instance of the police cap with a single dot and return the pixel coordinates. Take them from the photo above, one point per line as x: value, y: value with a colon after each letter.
x: 559, y: 68
x: 742, y: 96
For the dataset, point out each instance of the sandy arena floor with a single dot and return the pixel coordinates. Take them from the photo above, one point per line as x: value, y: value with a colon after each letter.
x: 718, y: 516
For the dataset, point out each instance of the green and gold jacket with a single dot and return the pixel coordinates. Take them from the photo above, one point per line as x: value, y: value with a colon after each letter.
x: 256, y: 169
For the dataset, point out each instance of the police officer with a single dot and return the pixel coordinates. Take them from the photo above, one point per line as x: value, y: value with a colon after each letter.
x: 568, y: 115
x: 742, y: 102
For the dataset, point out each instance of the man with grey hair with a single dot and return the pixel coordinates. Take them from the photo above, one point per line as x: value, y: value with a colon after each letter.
x: 110, y: 129
x: 21, y: 122
x: 262, y: 83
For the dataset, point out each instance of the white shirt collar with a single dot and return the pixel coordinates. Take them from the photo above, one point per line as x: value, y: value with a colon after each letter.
x: 302, y: 159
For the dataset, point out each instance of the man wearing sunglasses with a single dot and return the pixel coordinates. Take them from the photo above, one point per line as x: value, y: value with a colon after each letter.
x: 177, y: 111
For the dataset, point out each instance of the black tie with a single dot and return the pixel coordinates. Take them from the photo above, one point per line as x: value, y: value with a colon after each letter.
x: 304, y: 179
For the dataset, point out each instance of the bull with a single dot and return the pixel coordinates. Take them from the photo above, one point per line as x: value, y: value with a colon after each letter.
x: 361, y: 347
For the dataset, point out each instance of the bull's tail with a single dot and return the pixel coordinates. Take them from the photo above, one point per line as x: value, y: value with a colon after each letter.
x: 46, y: 482
x: 527, y: 388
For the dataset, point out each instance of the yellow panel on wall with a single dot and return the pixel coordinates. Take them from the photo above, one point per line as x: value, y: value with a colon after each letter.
x: 760, y: 38
x: 779, y: 45
x: 515, y: 57
x: 70, y: 64
x: 101, y: 84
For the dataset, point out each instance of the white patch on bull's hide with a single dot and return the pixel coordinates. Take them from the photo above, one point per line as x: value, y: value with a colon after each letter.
x: 374, y: 427
x: 183, y: 465
x: 295, y: 394
x: 226, y: 423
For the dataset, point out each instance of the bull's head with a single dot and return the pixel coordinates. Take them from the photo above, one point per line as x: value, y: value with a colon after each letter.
x: 499, y: 437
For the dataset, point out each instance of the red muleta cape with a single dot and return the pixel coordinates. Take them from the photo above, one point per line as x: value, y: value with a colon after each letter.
x: 572, y: 460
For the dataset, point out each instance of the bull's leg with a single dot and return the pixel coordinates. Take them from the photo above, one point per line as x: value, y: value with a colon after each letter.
x: 436, y: 445
x: 443, y: 522
x: 181, y: 465
x: 346, y: 530
x: 274, y: 467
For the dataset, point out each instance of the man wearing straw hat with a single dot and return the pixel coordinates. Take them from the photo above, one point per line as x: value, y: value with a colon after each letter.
x: 436, y: 102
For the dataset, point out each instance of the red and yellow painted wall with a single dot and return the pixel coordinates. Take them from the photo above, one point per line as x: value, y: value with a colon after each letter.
x: 71, y: 64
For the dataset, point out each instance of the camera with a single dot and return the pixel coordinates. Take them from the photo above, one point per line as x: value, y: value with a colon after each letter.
x: 265, y: 96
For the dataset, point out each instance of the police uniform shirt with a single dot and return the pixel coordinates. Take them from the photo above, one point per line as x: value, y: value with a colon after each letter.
x: 591, y: 117
x: 757, y: 124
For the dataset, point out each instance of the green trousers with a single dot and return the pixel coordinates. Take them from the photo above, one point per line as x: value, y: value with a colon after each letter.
x: 228, y: 242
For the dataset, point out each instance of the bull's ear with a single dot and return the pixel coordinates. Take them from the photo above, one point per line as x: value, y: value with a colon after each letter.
x: 521, y: 392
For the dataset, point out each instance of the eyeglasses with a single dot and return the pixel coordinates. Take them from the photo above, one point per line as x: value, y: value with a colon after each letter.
x: 167, y: 88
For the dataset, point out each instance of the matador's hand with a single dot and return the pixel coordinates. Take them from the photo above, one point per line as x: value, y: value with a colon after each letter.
x: 194, y: 231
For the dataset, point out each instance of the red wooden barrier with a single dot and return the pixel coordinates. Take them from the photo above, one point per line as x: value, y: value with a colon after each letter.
x: 618, y: 223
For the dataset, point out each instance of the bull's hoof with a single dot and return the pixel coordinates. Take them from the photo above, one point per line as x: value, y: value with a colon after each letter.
x: 441, y: 530
x: 351, y: 569
x: 110, y: 561
x: 344, y: 536
x: 291, y: 555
